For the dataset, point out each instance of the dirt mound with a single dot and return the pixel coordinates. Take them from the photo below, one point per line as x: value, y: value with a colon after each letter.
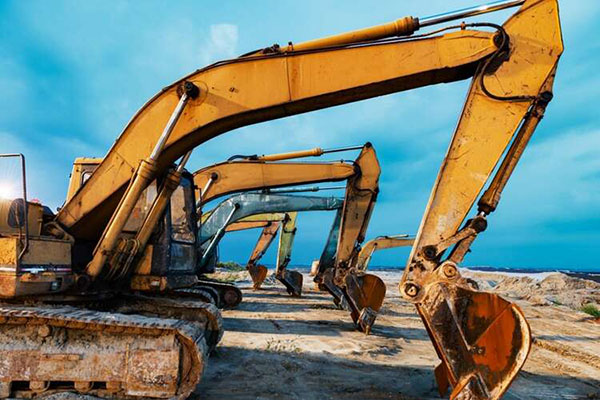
x: 555, y: 289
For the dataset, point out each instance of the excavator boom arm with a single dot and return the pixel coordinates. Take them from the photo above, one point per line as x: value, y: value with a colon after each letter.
x: 253, y: 221
x: 249, y: 90
x: 239, y: 176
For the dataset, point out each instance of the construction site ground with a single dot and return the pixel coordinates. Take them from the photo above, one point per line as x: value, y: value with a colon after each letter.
x: 279, y: 347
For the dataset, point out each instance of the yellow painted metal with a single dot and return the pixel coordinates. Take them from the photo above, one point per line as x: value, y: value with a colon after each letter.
x: 156, y: 212
x: 110, y: 236
x: 379, y: 243
x: 316, y: 152
x: 255, y: 221
x: 400, y: 27
x: 250, y: 90
x: 257, y: 272
x: 83, y: 167
x: 48, y: 252
x: 240, y: 176
x: 243, y: 226
x: 487, y: 124
x: 506, y: 102
x: 15, y: 278
x: 8, y: 213
x: 361, y: 194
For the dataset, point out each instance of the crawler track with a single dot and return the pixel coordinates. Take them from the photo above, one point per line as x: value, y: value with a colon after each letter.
x: 49, y: 349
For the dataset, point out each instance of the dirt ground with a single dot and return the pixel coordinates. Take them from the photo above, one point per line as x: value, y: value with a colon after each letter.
x: 278, y: 347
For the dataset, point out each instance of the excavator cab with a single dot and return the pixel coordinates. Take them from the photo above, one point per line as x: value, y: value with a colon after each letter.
x: 170, y: 257
x: 167, y: 262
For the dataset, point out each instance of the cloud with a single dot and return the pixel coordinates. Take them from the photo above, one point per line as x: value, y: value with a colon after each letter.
x: 224, y: 38
x: 557, y: 179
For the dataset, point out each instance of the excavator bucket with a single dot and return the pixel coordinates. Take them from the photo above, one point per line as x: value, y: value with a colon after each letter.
x: 258, y: 273
x: 292, y: 281
x: 365, y: 294
x: 482, y: 340
x: 326, y: 284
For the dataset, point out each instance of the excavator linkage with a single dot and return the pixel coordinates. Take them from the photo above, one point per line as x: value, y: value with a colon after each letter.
x: 292, y: 280
x: 258, y: 272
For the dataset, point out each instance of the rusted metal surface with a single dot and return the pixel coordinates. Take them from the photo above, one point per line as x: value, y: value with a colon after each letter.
x: 365, y: 293
x: 51, y: 349
x: 292, y: 280
x: 482, y: 339
x: 185, y: 306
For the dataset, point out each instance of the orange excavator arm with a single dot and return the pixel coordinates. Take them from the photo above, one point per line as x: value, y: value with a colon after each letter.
x: 267, y: 172
x: 258, y: 88
x: 260, y: 173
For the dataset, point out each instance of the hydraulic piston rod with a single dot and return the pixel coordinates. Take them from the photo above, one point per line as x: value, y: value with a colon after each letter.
x: 469, y: 12
x: 219, y: 234
x: 301, y: 189
x: 316, y: 152
x: 401, y: 27
x: 141, y: 179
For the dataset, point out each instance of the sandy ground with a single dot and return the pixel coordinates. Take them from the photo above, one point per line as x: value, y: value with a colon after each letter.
x: 278, y: 347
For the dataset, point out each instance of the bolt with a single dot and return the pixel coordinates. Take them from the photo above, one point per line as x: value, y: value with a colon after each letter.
x: 44, y: 331
x: 411, y: 290
x: 191, y: 90
x: 430, y: 252
x: 449, y: 270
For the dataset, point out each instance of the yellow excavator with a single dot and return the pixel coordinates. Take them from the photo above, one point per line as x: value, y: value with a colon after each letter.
x: 380, y: 243
x: 243, y: 173
x: 82, y: 253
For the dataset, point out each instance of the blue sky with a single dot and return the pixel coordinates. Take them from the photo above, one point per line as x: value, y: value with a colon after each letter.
x: 73, y: 73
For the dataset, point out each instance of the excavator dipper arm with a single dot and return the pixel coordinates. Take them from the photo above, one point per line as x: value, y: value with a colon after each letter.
x: 243, y: 226
x: 240, y: 176
x: 258, y: 273
x: 292, y: 280
x: 255, y: 221
x: 365, y: 293
x: 482, y: 339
